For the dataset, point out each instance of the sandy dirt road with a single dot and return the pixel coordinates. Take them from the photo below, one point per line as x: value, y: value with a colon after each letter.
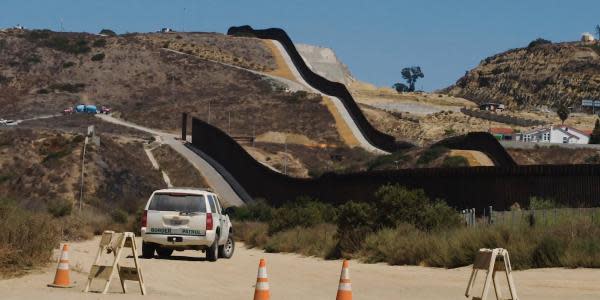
x: 291, y: 277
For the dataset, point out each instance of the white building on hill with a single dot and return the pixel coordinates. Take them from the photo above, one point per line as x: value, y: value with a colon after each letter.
x: 587, y: 37
x: 561, y: 134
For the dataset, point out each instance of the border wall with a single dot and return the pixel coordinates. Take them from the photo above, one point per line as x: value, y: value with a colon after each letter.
x: 470, y: 187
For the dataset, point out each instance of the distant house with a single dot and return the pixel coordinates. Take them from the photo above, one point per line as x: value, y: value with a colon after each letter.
x: 167, y: 29
x: 587, y: 37
x: 502, y: 133
x: 497, y: 107
x: 555, y: 135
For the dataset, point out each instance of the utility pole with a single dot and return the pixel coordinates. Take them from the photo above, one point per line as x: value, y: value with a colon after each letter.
x: 62, y: 28
x: 82, y: 174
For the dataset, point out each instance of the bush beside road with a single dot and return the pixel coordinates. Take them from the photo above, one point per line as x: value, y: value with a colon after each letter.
x: 405, y: 228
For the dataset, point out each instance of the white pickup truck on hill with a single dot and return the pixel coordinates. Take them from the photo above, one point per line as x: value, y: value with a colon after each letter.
x: 186, y: 219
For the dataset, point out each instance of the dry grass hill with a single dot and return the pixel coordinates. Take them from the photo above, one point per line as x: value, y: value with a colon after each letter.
x: 538, y: 75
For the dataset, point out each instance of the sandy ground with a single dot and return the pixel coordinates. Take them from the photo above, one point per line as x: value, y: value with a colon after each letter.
x: 291, y: 277
x: 475, y: 158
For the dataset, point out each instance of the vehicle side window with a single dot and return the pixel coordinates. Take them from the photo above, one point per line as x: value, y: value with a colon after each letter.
x: 211, y: 202
x: 218, y: 203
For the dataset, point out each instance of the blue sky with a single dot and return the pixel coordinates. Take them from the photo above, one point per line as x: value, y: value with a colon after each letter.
x: 376, y: 39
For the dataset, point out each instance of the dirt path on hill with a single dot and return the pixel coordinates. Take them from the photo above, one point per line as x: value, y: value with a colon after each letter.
x: 188, y: 276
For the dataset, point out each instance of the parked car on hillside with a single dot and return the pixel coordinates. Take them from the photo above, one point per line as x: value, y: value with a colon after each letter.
x: 105, y: 110
x: 68, y: 111
x: 11, y: 123
x: 186, y: 219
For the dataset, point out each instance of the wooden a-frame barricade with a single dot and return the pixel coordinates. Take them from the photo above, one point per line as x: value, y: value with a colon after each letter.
x: 115, y: 243
x: 492, y: 261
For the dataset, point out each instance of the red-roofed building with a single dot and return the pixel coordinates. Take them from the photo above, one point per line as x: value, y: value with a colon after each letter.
x: 502, y: 133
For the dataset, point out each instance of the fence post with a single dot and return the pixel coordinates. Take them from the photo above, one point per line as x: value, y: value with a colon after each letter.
x: 491, y: 214
x: 544, y: 217
x: 512, y: 220
x: 555, y: 215
x: 473, y: 217
x: 484, y: 217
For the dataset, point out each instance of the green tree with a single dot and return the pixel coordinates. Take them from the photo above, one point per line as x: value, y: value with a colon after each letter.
x: 108, y: 32
x: 354, y: 222
x: 397, y: 204
x: 539, y: 42
x: 411, y: 74
x: 563, y: 113
x: 595, y: 137
x: 400, y: 87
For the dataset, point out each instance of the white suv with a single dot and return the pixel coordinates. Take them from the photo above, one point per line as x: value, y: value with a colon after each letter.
x: 186, y: 219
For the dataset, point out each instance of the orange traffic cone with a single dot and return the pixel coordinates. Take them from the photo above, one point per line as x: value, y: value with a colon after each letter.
x: 345, y: 288
x: 62, y: 277
x: 261, y: 291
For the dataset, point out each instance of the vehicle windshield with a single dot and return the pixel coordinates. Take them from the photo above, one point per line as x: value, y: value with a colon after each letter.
x: 178, y: 202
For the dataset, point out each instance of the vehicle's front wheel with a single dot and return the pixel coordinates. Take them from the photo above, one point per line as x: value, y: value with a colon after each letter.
x: 148, y: 250
x: 212, y: 253
x: 164, y: 252
x: 226, y: 251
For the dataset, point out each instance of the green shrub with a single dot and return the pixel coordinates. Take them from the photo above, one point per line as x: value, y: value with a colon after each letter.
x: 258, y: 211
x: 431, y: 154
x: 68, y: 64
x: 5, y: 177
x: 449, y: 131
x: 355, y: 221
x: 386, y: 160
x: 56, y: 155
x: 108, y: 32
x: 35, y: 35
x: 537, y: 203
x: 64, y: 44
x: 77, y: 139
x: 99, y: 43
x: 98, y: 57
x: 548, y: 252
x: 304, y: 212
x: 455, y: 162
x: 119, y: 216
x: 60, y: 208
x: 538, y: 42
x: 440, y: 216
x: 592, y: 159
x: 67, y: 87
x: 33, y: 59
x: 396, y: 204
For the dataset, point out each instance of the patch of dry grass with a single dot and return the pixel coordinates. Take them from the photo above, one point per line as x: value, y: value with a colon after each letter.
x: 26, y: 239
x: 180, y: 171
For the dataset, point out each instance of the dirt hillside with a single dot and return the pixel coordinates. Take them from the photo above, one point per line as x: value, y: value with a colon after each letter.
x: 537, y: 75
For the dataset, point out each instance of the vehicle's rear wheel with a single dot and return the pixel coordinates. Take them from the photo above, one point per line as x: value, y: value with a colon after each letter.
x: 212, y: 253
x: 148, y: 250
x: 164, y: 252
x: 226, y: 251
